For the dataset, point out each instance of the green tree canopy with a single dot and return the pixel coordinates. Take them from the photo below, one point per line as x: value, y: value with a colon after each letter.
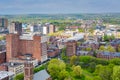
x: 116, y: 73
x: 55, y: 66
x: 77, y: 71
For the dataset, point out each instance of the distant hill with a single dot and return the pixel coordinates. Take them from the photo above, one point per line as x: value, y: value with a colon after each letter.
x: 113, y: 18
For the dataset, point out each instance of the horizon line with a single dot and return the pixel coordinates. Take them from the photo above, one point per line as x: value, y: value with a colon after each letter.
x: 59, y: 13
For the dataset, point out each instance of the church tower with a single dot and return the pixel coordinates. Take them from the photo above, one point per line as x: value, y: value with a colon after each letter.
x: 28, y: 68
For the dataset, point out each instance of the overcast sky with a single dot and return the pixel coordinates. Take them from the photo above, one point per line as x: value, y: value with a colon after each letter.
x: 58, y: 6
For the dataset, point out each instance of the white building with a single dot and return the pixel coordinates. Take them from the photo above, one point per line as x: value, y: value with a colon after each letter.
x: 5, y: 75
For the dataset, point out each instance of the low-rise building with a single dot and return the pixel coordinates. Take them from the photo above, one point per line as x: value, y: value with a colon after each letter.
x: 108, y: 55
x: 5, y: 75
x: 2, y: 56
x: 16, y: 68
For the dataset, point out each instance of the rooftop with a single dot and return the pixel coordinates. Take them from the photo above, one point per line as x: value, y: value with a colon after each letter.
x: 42, y: 75
x: 4, y: 74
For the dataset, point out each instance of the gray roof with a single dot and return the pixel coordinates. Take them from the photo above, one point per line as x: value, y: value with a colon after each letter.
x: 111, y: 54
x: 42, y: 75
x: 4, y: 74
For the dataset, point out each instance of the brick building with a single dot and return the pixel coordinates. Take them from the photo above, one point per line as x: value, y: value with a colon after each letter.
x: 108, y: 55
x: 2, y: 57
x: 27, y: 43
x: 71, y: 48
x: 28, y: 68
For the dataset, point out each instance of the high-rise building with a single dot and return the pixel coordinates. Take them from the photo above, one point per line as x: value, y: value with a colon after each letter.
x: 3, y: 22
x: 18, y: 45
x: 15, y: 27
x: 45, y: 29
x: 71, y: 48
x: 51, y: 28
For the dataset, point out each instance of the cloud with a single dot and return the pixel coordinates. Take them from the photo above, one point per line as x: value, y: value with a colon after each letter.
x: 58, y: 6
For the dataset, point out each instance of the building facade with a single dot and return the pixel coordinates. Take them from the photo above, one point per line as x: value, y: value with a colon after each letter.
x: 3, y: 22
x: 15, y: 27
x: 51, y: 28
x: 19, y: 45
x: 2, y: 57
x: 28, y: 71
x: 71, y: 48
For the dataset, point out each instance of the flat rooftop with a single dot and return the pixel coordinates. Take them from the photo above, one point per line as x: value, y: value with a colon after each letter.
x: 4, y: 74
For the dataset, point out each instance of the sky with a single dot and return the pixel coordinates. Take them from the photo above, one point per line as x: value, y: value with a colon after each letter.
x: 58, y: 6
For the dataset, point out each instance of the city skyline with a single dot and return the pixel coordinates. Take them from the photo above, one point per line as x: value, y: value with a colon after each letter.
x: 58, y: 6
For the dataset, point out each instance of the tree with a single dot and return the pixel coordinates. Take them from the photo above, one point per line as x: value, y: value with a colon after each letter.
x: 81, y: 30
x: 77, y: 71
x: 55, y: 66
x: 2, y: 38
x: 91, y: 67
x: 116, y: 73
x: 102, y: 48
x: 118, y: 48
x: 19, y: 77
x: 115, y: 61
x: 110, y: 49
x: 63, y: 74
x: 73, y: 60
x: 63, y: 55
x: 97, y: 78
x: 105, y: 73
x: 106, y: 38
x: 88, y: 49
x: 97, y: 70
x: 86, y: 59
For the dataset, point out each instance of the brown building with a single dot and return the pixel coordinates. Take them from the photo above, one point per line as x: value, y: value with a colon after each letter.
x: 108, y: 55
x: 71, y: 48
x: 28, y: 68
x: 53, y: 52
x: 19, y: 45
x: 51, y: 28
x: 2, y: 57
x: 15, y: 27
x: 28, y: 71
x: 3, y: 22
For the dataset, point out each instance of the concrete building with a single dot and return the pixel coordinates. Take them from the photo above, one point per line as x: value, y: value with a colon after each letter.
x: 48, y: 28
x: 15, y: 27
x: 16, y: 68
x: 3, y: 22
x: 51, y: 28
x: 71, y: 48
x: 45, y: 29
x: 5, y: 75
x: 34, y: 44
x: 36, y: 28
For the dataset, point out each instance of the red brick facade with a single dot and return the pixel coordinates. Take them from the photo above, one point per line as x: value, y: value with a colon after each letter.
x: 28, y: 71
x: 3, y: 68
x: 17, y: 47
x: 71, y: 48
x: 2, y: 57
